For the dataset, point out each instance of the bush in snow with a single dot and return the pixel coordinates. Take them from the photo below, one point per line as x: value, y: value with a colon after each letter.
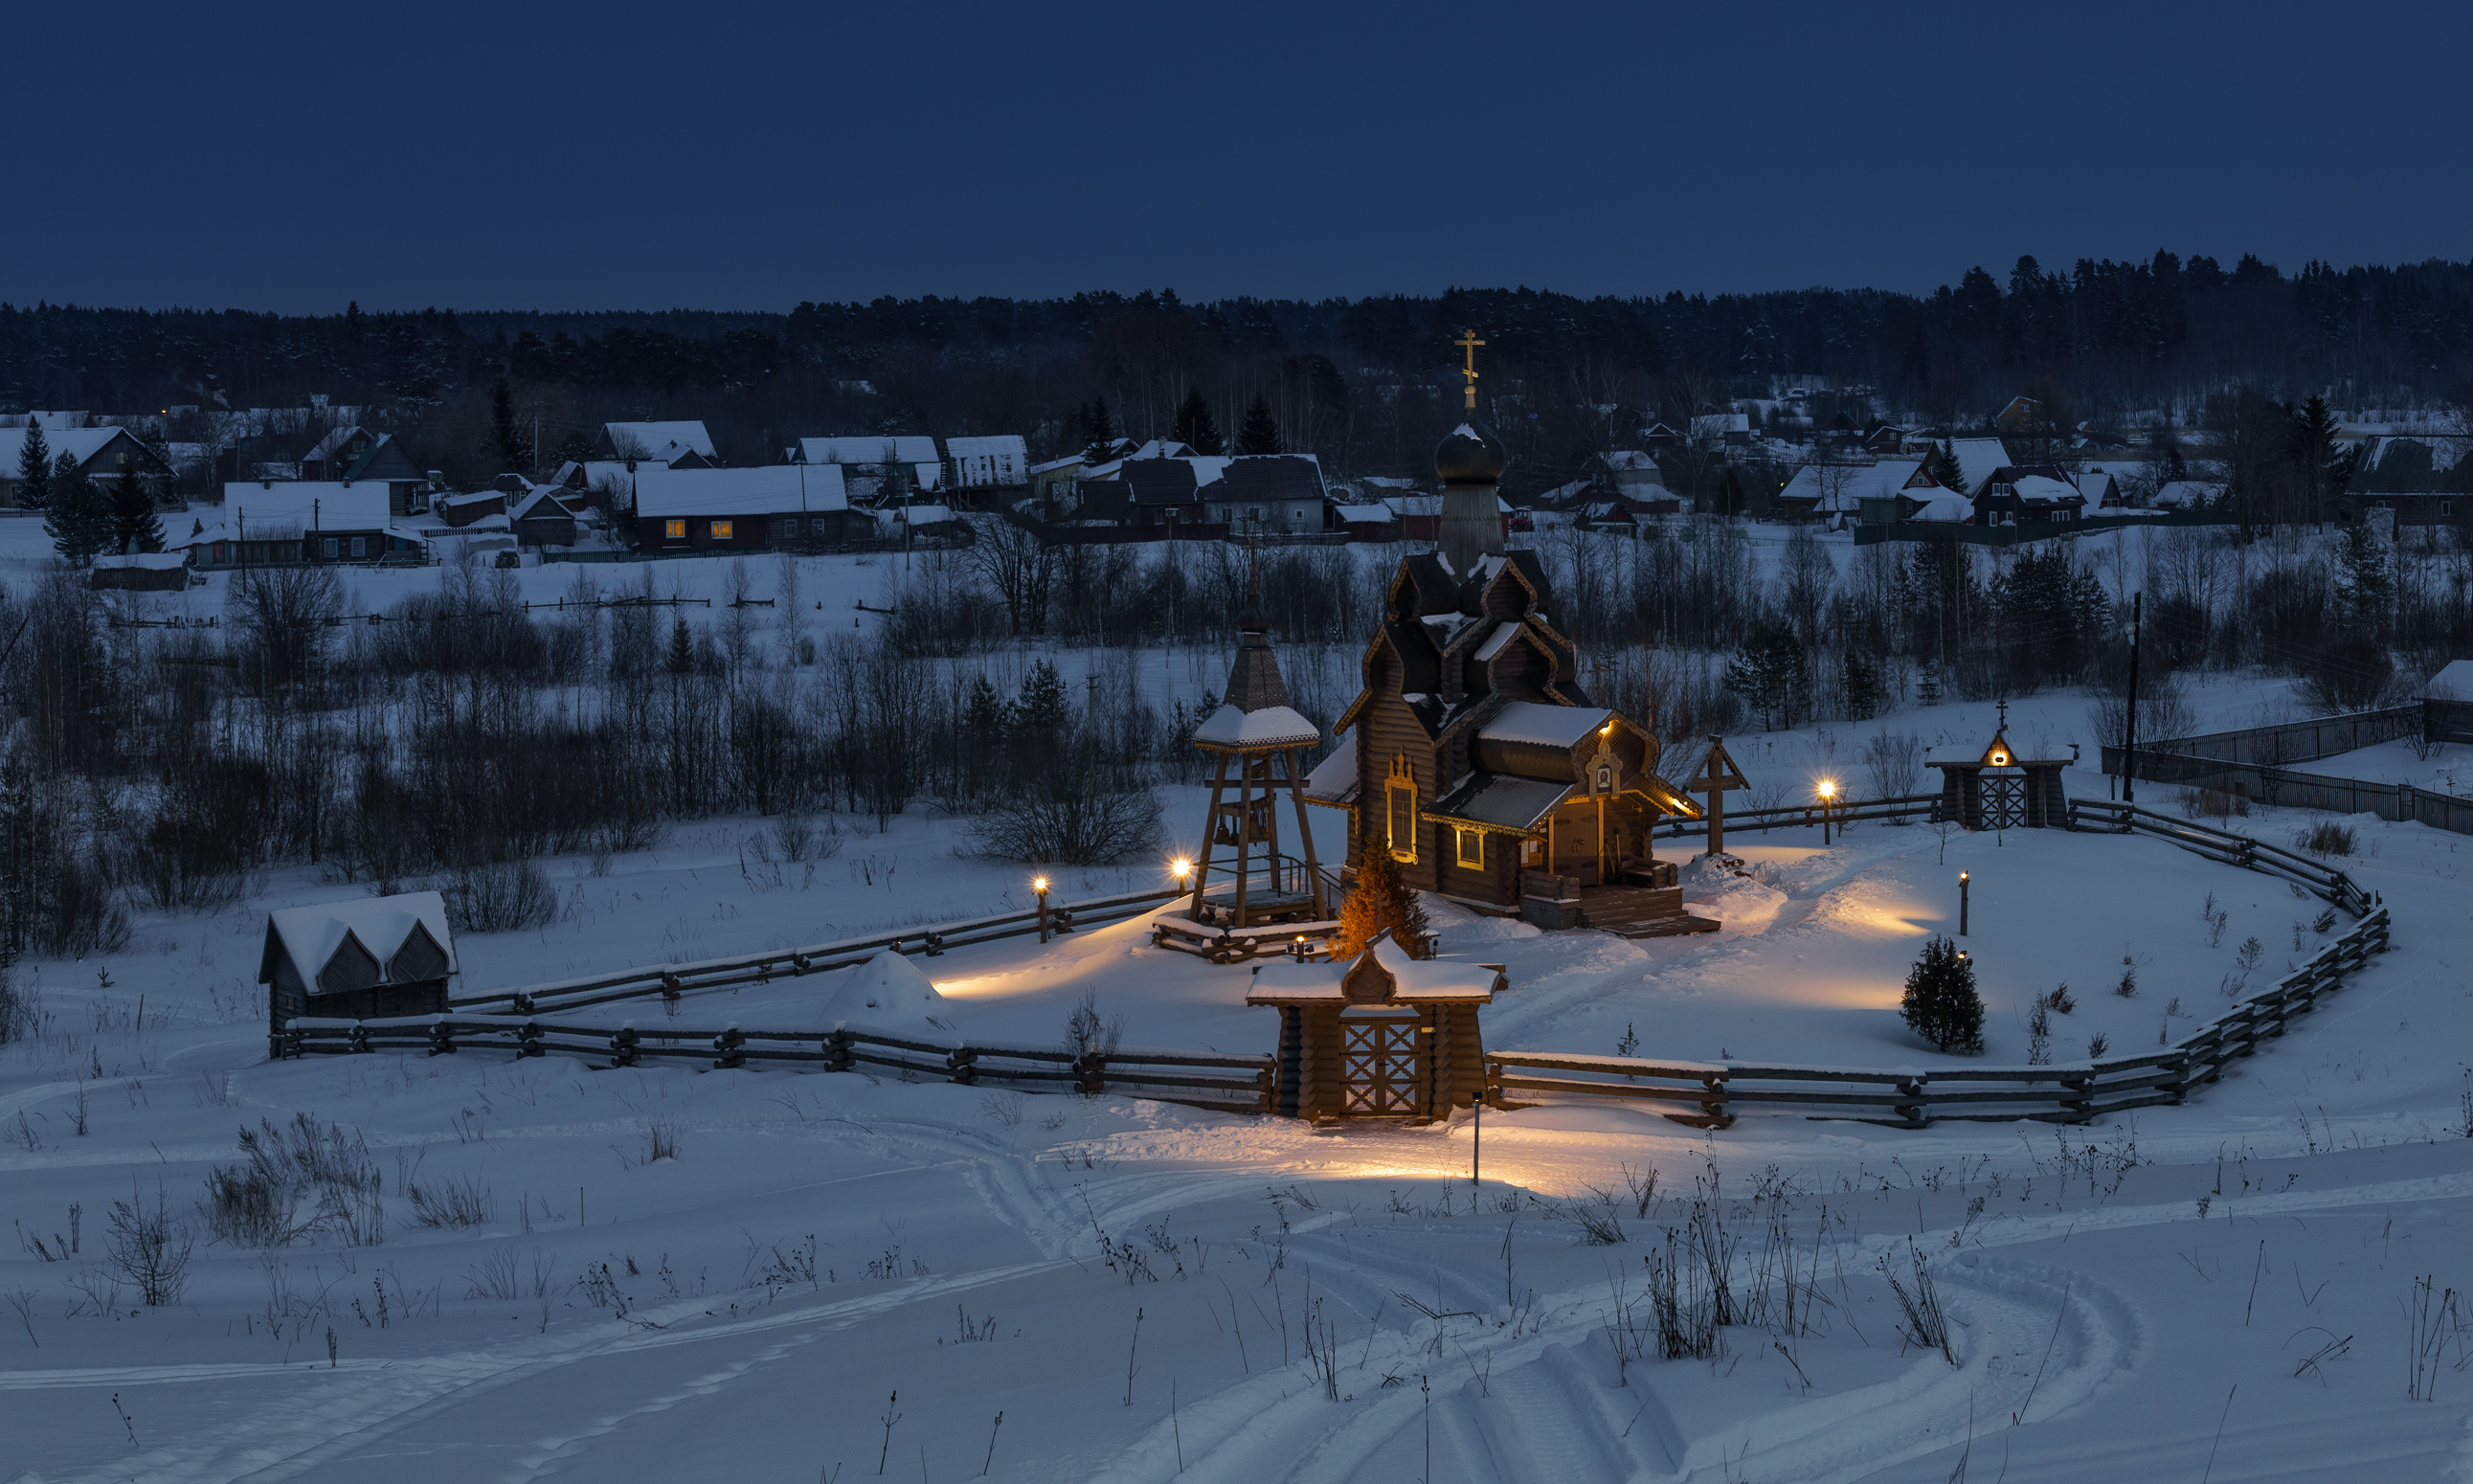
x: 499, y: 898
x: 1941, y: 1004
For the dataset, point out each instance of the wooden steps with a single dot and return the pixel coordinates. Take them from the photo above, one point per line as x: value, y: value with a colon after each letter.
x: 1639, y: 912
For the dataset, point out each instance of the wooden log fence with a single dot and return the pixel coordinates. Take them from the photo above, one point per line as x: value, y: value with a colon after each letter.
x: 1201, y: 1079
x: 1706, y: 1093
x: 670, y: 981
x: 2066, y: 1093
x: 1904, y: 809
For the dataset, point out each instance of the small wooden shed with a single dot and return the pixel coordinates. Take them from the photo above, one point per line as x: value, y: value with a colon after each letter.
x: 1384, y: 1037
x: 2447, y: 703
x: 358, y: 959
x: 161, y: 571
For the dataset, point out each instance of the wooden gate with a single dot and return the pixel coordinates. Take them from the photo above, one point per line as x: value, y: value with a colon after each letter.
x: 1381, y: 1071
x: 2005, y: 799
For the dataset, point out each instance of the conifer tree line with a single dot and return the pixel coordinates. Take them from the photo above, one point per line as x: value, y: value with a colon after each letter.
x: 1366, y: 385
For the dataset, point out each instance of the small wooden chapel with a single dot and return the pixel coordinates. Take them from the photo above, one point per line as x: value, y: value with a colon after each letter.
x: 1995, y: 788
x: 1474, y: 756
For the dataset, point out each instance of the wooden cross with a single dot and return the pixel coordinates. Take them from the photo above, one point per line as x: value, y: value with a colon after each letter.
x: 1717, y: 774
x: 1469, y: 343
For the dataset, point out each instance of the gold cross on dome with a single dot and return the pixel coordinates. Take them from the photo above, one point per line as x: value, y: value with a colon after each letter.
x: 1469, y: 343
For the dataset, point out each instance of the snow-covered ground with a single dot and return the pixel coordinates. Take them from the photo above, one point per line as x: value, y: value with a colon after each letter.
x: 819, y: 1265
x: 2447, y: 768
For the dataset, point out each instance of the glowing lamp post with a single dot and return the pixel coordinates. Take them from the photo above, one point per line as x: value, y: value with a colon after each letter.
x: 1828, y: 790
x: 1039, y: 884
x: 1962, y: 906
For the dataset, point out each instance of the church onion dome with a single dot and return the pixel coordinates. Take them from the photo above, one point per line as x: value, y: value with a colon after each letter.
x: 1469, y: 455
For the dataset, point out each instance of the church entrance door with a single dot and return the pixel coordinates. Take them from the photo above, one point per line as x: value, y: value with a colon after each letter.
x: 1382, y: 1072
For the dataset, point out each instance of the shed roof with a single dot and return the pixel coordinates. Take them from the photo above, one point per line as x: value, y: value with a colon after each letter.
x: 311, y: 936
x: 2454, y: 681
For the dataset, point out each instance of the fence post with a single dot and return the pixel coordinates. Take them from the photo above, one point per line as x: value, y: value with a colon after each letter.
x: 837, y: 1051
x: 731, y: 1045
x: 1092, y: 1073
x: 442, y: 1036
x: 360, y: 1038
x: 622, y: 1045
x: 529, y: 1039
x: 961, y: 1064
x: 1917, y: 1109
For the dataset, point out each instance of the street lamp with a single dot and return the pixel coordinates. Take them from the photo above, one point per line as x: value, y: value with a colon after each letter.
x: 1962, y: 906
x: 1828, y: 790
x: 1039, y: 884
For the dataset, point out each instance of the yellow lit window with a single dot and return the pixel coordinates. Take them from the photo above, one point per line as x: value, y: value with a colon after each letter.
x: 721, y: 530
x: 674, y: 529
x: 1473, y: 848
x: 1399, y: 794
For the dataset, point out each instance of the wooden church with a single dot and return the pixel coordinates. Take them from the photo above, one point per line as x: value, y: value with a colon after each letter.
x: 1472, y: 755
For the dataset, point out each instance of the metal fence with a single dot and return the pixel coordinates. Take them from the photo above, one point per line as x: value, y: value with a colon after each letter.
x: 2248, y: 764
x: 2273, y: 747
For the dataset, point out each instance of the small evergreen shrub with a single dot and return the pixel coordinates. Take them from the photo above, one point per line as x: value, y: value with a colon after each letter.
x: 1941, y: 1004
x: 1379, y: 900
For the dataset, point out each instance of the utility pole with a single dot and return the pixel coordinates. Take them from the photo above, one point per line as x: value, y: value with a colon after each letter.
x: 2129, y: 729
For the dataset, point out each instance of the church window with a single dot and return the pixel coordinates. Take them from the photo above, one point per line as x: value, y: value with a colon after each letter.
x: 1400, y: 794
x: 1471, y: 851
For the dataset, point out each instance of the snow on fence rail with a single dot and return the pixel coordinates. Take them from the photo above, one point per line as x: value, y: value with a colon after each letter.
x: 1203, y: 1079
x: 1900, y: 810
x: 671, y: 980
x: 2067, y: 1092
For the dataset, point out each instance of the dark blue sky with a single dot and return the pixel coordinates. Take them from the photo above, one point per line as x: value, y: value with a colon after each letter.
x: 730, y: 155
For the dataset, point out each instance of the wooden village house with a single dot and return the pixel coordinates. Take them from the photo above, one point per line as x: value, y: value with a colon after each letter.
x: 358, y: 959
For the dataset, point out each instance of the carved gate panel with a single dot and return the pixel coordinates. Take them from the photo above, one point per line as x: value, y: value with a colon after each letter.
x: 1380, y: 1072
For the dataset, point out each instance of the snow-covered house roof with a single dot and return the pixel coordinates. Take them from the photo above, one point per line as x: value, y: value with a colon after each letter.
x: 2098, y: 487
x: 2187, y: 493
x: 663, y: 440
x: 1630, y: 460
x: 2044, y: 489
x: 403, y: 939
x: 769, y: 490
x: 2454, y: 681
x: 899, y: 449
x: 1947, y: 509
x: 1841, y: 488
x: 81, y: 445
x: 1333, y: 779
x: 1385, y: 974
x: 1976, y: 459
x: 144, y: 561
x: 287, y: 507
x: 1364, y: 514
x: 995, y: 461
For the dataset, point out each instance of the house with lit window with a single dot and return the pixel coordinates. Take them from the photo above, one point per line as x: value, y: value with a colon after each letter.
x: 779, y: 506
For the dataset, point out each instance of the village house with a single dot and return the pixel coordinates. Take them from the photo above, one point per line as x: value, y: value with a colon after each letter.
x: 678, y: 444
x: 2099, y: 489
x: 876, y: 470
x: 542, y: 518
x: 350, y: 455
x: 300, y: 523
x: 999, y: 462
x: 2424, y: 478
x: 105, y: 455
x: 1977, y: 458
x: 2026, y: 494
x: 777, y: 505
x: 1880, y: 494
